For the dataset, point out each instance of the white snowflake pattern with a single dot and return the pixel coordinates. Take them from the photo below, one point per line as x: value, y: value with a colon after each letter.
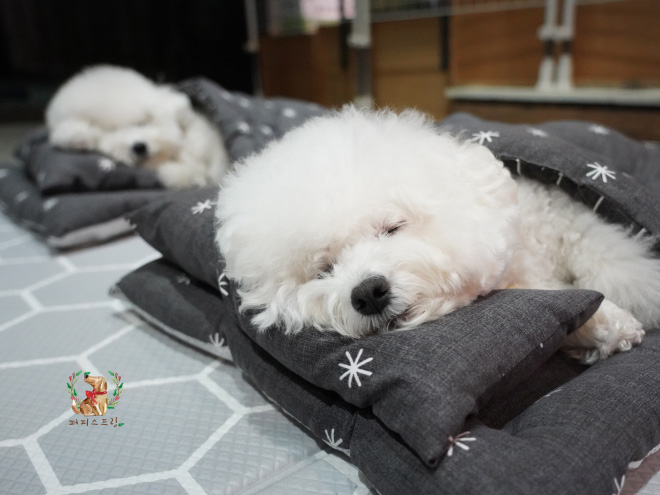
x: 600, y: 171
x: 559, y: 389
x: 106, y: 164
x: 484, y: 136
x: 244, y: 102
x: 537, y: 132
x: 226, y: 95
x: 21, y: 196
x: 289, y: 112
x: 619, y: 486
x: 3, y: 173
x: 266, y: 130
x: 222, y: 284
x: 183, y: 279
x: 49, y: 203
x: 549, y: 394
x: 335, y: 444
x: 458, y: 442
x: 599, y: 129
x: 202, y: 206
x: 243, y: 127
x: 355, y: 368
x: 216, y: 340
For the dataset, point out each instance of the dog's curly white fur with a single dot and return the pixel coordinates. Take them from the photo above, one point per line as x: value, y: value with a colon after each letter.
x: 126, y: 116
x: 362, y: 222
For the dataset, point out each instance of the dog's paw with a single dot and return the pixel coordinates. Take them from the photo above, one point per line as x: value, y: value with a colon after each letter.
x: 177, y: 176
x: 75, y: 134
x: 611, y: 329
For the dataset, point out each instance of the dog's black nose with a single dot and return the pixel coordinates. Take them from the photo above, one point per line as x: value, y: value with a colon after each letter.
x: 140, y: 148
x: 371, y: 296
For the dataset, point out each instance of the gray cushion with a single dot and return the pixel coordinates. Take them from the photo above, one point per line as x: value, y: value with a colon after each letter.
x: 68, y: 220
x: 57, y: 171
x: 442, y: 369
x: 579, y: 439
x: 185, y: 308
x: 181, y: 227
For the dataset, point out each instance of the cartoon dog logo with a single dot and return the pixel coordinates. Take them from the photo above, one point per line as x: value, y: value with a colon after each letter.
x: 96, y: 403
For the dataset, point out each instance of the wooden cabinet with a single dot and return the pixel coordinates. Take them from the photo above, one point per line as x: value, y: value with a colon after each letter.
x: 406, y: 66
x: 617, y: 45
x: 308, y: 67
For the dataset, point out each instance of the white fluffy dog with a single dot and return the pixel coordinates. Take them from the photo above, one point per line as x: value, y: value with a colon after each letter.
x: 363, y: 222
x: 121, y: 113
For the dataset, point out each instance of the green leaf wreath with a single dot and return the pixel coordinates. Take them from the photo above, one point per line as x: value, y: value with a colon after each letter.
x: 119, y: 388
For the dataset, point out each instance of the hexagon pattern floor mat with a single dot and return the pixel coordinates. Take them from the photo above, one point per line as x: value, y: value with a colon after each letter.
x: 185, y: 422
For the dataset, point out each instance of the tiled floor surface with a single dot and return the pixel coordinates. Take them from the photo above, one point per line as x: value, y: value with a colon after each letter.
x: 191, y: 423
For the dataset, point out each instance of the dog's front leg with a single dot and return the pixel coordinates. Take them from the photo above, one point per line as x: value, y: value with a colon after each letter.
x: 181, y: 175
x: 86, y: 409
x: 611, y: 329
x: 73, y: 133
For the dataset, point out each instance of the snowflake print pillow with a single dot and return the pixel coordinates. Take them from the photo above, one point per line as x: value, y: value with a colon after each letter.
x: 184, y: 308
x: 181, y: 226
x: 56, y: 171
x: 424, y: 382
x: 68, y: 220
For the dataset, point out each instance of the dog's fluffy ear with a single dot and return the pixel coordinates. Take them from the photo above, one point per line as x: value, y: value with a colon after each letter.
x: 103, y: 386
x: 176, y: 105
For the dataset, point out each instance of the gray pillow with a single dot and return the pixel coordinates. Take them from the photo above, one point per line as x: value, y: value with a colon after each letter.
x: 68, y: 220
x: 56, y: 171
x: 182, y: 228
x: 443, y: 369
x: 178, y: 304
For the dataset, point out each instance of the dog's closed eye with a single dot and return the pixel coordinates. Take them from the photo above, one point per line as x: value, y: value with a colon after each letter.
x: 325, y: 270
x: 391, y: 230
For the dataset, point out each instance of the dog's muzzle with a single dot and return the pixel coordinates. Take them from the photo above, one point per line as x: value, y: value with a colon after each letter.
x: 371, y: 296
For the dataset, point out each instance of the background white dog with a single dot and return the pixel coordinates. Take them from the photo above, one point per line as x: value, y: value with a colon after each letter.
x: 362, y: 222
x: 121, y: 113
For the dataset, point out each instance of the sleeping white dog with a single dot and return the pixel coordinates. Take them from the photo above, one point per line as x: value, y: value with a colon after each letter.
x: 126, y: 116
x: 363, y: 222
